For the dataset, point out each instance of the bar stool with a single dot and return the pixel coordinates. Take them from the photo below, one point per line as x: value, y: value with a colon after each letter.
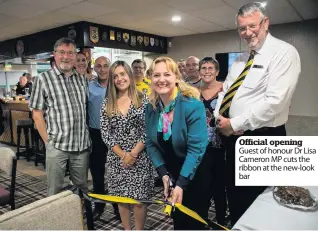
x: 26, y: 125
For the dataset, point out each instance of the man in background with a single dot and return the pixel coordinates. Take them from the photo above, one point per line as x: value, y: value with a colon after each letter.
x: 97, y: 159
x: 23, y: 87
x: 192, y: 71
x: 139, y: 67
x: 29, y: 77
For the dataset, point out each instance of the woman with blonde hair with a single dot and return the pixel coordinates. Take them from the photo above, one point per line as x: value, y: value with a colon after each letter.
x: 129, y: 169
x: 176, y: 141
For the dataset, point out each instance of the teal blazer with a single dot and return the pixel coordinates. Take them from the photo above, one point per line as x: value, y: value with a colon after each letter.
x: 189, y: 134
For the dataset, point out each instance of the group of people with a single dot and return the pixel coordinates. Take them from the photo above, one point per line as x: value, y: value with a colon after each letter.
x: 180, y: 121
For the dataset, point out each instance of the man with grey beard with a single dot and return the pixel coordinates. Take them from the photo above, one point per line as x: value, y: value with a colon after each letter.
x: 62, y: 94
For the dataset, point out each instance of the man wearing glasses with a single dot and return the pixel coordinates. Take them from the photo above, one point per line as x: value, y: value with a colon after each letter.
x: 256, y: 95
x: 62, y: 94
x: 139, y: 67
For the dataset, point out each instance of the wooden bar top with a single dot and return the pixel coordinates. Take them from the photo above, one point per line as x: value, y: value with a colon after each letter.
x: 13, y: 110
x: 10, y: 100
x: 15, y: 104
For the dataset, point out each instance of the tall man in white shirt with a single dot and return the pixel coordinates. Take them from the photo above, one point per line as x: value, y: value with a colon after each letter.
x: 256, y: 95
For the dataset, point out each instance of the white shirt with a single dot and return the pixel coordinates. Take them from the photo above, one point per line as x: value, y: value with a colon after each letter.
x: 264, y: 98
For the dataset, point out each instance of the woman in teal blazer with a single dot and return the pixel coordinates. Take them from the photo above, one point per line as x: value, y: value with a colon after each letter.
x: 176, y: 141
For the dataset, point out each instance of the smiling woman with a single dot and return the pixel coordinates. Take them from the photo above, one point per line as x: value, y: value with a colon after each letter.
x: 210, y: 88
x: 82, y: 66
x: 176, y: 142
x: 129, y: 169
x: 81, y: 63
x: 121, y: 84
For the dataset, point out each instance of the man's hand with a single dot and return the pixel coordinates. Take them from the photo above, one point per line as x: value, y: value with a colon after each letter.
x: 40, y: 124
x: 224, y: 126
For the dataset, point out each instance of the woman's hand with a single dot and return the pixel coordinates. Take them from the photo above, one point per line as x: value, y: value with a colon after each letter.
x: 177, y: 195
x: 129, y: 160
x: 134, y: 154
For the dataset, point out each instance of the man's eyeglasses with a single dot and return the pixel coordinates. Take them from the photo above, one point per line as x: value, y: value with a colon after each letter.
x: 62, y: 53
x: 252, y: 27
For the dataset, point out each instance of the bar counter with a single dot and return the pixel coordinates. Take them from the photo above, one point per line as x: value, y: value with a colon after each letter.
x: 13, y: 110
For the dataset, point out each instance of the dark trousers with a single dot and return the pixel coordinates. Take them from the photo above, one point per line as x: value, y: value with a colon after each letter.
x: 97, y: 162
x: 195, y: 197
x: 217, y: 171
x: 241, y: 197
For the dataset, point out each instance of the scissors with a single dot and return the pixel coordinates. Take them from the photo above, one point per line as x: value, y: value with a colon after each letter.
x: 169, y: 206
x: 170, y: 189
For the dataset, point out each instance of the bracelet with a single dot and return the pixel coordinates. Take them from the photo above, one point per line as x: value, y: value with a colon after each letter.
x: 124, y: 156
x: 135, y: 157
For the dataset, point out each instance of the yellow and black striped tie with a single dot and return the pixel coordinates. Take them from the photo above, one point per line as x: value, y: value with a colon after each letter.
x: 227, y: 100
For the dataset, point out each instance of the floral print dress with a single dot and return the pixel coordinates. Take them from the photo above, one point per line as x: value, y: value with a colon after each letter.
x: 137, y: 181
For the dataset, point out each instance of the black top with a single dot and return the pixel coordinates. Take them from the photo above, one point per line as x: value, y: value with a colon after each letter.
x: 213, y: 135
x: 173, y: 163
x: 21, y: 90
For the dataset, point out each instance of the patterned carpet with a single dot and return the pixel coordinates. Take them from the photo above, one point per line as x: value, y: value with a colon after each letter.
x: 30, y: 189
x: 156, y: 220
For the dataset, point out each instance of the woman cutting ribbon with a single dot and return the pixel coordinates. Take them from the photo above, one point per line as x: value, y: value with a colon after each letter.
x: 176, y: 141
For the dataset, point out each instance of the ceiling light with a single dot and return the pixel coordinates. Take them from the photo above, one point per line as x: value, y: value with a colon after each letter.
x: 176, y: 18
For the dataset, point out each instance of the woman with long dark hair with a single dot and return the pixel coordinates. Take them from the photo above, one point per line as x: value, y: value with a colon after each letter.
x: 129, y: 169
